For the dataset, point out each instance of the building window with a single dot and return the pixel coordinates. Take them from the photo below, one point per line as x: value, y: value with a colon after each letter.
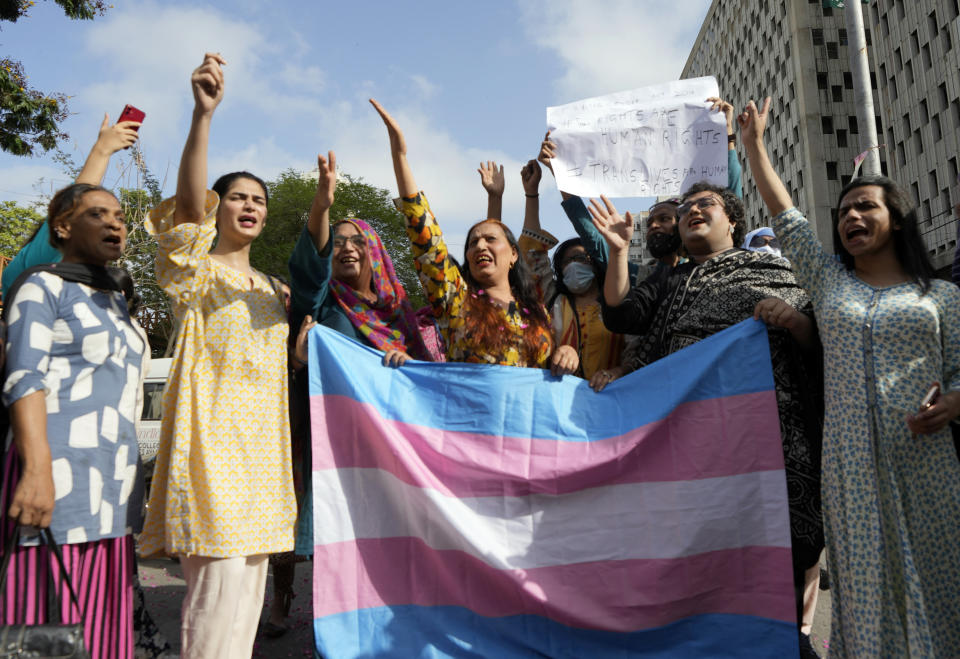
x: 822, y: 81
x: 917, y: 143
x: 831, y: 171
x: 947, y: 41
x: 956, y: 112
x: 932, y: 24
x: 924, y: 113
x: 915, y: 191
x: 944, y: 101
x: 867, y: 38
x: 898, y: 58
x: 914, y: 43
x: 954, y: 173
x: 885, y: 26
x: 817, y: 35
x: 925, y: 56
x: 828, y: 11
x: 841, y: 138
x: 900, y: 11
x: 927, y: 215
x: 937, y: 128
x: 837, y: 92
x: 854, y: 129
x: 826, y: 125
x: 832, y: 51
x: 901, y: 155
x: 842, y: 37
x: 909, y: 73
x: 848, y: 77
x: 893, y: 88
x: 932, y: 182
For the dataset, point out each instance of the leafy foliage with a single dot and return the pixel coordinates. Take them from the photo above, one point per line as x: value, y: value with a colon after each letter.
x: 290, y: 197
x: 17, y: 224
x: 30, y: 119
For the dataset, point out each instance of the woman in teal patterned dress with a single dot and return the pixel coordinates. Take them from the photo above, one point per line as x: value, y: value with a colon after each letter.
x: 891, y: 477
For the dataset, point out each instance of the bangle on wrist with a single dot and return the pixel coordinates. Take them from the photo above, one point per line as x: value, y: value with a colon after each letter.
x: 732, y: 137
x: 532, y: 195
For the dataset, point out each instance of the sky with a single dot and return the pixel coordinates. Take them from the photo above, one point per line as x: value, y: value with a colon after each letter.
x: 468, y: 82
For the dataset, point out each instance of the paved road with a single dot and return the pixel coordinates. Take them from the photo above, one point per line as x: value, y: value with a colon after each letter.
x: 164, y: 589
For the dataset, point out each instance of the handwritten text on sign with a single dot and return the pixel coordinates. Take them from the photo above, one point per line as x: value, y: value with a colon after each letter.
x: 646, y: 142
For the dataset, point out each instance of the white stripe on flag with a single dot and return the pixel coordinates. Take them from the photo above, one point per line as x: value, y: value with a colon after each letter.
x: 617, y: 522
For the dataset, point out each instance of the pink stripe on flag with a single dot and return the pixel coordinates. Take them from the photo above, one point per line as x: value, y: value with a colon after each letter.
x: 736, y: 434
x: 619, y: 596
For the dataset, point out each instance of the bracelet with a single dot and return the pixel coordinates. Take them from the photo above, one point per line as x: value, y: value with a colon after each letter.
x: 731, y: 138
x: 533, y: 195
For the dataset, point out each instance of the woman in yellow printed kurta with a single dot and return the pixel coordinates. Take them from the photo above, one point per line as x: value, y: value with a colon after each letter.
x: 488, y: 311
x: 222, y: 496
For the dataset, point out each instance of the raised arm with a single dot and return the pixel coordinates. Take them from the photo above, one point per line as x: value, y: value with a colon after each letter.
x: 774, y: 193
x: 734, y: 171
x: 207, y: 84
x: 318, y: 223
x: 109, y: 140
x: 406, y: 185
x: 530, y: 175
x: 491, y: 178
x: 617, y: 231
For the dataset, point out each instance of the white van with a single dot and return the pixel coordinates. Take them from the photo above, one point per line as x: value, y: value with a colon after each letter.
x: 148, y: 432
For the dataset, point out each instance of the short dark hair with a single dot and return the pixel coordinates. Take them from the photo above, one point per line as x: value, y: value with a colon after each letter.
x: 224, y: 182
x: 65, y: 202
x: 732, y: 205
x: 907, y: 244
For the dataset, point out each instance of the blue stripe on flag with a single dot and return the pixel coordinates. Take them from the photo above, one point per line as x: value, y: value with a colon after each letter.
x: 448, y: 631
x: 455, y: 396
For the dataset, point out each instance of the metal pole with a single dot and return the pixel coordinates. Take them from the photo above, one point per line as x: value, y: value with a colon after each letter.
x: 863, y: 94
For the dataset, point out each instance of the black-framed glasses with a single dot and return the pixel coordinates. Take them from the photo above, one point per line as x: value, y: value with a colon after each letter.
x: 760, y: 241
x: 356, y: 240
x: 703, y: 203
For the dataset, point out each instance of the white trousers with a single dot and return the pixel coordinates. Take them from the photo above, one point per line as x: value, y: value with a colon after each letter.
x: 222, y: 608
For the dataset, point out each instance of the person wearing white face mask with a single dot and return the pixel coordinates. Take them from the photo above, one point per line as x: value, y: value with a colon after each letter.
x: 762, y: 240
x: 571, y: 287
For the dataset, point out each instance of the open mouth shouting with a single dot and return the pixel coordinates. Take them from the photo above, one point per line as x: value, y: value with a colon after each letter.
x: 483, y: 260
x: 247, y: 221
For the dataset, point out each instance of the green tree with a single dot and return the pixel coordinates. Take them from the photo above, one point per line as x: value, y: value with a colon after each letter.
x: 290, y: 197
x: 17, y: 224
x: 30, y: 119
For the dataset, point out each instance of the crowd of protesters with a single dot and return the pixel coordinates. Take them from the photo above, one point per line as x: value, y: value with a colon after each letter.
x: 857, y: 338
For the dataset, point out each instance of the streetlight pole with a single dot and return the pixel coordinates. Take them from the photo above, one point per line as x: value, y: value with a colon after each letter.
x: 863, y: 93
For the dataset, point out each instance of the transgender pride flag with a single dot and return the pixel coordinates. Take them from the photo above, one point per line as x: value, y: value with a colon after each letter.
x: 487, y: 511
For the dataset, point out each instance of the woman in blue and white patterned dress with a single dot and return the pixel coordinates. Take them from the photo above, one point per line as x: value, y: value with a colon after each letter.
x: 891, y: 477
x: 74, y: 359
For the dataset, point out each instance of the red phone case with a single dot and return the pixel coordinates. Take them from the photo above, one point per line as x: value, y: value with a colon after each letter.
x: 131, y: 113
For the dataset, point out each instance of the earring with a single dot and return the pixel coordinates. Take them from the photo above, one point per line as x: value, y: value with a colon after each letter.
x: 731, y: 229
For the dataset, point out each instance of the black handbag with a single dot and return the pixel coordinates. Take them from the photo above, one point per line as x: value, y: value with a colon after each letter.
x: 51, y: 639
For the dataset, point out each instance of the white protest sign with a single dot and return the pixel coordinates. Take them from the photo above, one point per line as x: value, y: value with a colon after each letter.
x: 646, y: 142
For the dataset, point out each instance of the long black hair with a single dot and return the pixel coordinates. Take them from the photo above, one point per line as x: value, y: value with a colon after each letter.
x: 907, y: 244
x: 732, y: 206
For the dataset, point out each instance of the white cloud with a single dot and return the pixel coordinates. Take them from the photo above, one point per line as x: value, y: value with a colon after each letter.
x: 613, y: 45
x: 427, y: 88
x: 31, y: 184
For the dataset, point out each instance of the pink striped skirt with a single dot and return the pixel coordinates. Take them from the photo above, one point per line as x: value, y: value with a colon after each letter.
x: 100, y: 571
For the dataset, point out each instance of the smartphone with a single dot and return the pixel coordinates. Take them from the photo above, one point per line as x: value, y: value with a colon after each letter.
x: 131, y: 113
x: 930, y: 398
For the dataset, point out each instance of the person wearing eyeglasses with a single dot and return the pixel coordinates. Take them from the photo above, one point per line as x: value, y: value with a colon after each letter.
x: 718, y: 287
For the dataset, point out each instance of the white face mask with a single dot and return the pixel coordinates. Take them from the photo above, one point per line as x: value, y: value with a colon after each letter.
x: 768, y: 249
x: 578, y: 277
